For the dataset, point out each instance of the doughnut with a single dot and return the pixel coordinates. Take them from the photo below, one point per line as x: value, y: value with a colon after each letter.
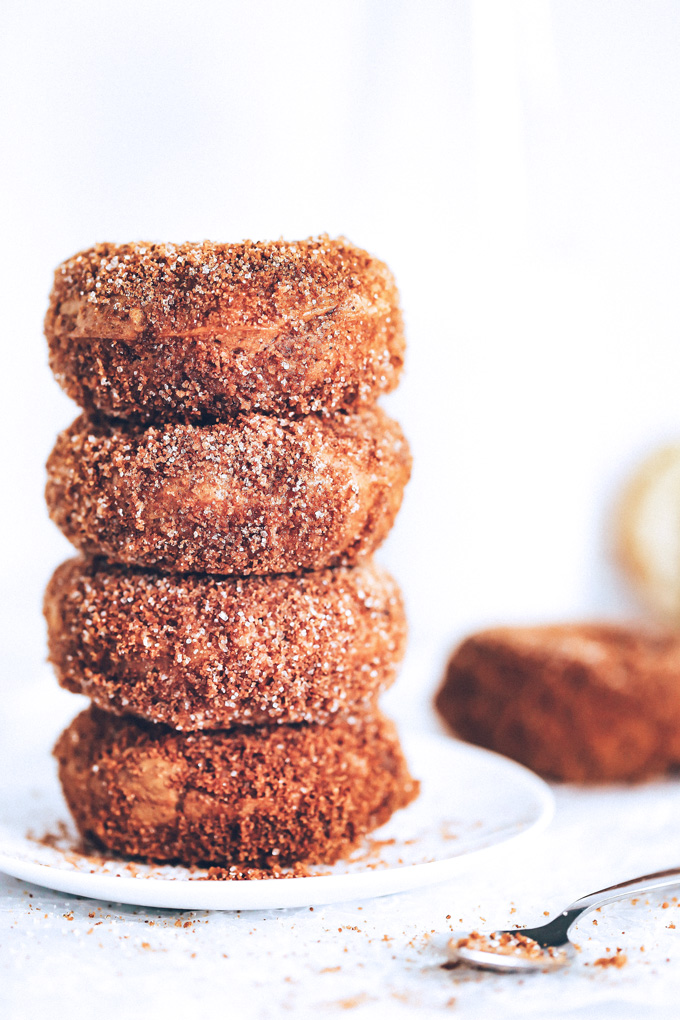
x: 277, y: 794
x: 165, y: 332
x: 575, y: 702
x: 196, y: 651
x: 648, y: 532
x: 256, y: 494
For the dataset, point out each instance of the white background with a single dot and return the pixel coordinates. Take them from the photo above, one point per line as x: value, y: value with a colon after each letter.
x: 516, y: 164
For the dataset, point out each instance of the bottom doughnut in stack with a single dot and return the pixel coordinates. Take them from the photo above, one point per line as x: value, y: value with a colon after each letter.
x: 275, y: 794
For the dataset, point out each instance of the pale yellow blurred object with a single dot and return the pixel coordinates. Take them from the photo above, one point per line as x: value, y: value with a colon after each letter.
x: 648, y: 533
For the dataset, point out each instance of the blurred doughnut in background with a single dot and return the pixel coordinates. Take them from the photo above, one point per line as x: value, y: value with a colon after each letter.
x: 648, y: 532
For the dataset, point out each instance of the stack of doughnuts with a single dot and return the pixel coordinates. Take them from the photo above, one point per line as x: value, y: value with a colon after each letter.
x: 225, y: 486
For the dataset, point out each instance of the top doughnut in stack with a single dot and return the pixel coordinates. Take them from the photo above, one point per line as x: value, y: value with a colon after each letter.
x: 230, y: 430
x: 162, y: 332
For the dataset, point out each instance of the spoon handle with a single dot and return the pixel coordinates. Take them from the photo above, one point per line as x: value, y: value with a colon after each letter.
x: 645, y: 883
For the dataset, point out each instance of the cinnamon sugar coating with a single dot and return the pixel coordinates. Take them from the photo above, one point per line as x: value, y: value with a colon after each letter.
x: 578, y: 702
x: 178, y: 332
x: 253, y: 495
x: 256, y: 796
x: 197, y: 651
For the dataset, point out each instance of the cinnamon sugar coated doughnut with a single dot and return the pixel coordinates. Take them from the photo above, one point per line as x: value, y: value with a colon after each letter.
x: 578, y: 702
x: 255, y: 796
x: 180, y: 332
x: 197, y: 651
x: 256, y: 494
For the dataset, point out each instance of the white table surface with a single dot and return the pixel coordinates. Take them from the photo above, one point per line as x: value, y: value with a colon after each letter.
x: 62, y: 955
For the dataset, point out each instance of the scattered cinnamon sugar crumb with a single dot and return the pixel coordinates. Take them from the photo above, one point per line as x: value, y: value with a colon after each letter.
x: 52, y: 839
x: 371, y: 850
x: 619, y: 959
x: 354, y: 1001
x: 242, y: 873
x: 446, y: 832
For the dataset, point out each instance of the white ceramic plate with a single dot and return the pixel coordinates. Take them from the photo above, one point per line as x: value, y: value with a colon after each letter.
x: 472, y: 802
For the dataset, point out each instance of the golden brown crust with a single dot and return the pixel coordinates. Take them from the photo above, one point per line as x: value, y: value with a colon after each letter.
x: 257, y: 796
x: 254, y: 495
x: 196, y: 651
x: 180, y: 332
x: 578, y: 702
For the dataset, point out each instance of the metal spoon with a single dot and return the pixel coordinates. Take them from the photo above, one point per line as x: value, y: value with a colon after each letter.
x: 490, y: 953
